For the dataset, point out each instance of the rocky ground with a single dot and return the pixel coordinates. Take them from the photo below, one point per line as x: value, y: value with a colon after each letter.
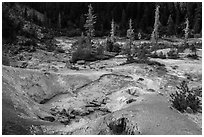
x: 51, y: 96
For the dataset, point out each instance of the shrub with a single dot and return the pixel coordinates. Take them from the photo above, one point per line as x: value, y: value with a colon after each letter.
x: 5, y: 60
x: 117, y: 48
x: 30, y: 45
x: 127, y: 50
x: 184, y: 98
x: 82, y: 54
x: 162, y: 55
x: 192, y: 56
x: 193, y: 49
x: 100, y: 50
x: 83, y: 50
x: 182, y: 47
x: 50, y: 46
x: 142, y: 52
x: 173, y: 54
x: 154, y: 55
x: 109, y: 45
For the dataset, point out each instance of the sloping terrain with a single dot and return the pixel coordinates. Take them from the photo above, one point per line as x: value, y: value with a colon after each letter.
x: 117, y: 99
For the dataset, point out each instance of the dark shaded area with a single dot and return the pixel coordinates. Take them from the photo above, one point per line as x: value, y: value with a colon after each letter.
x: 70, y: 16
x: 121, y: 127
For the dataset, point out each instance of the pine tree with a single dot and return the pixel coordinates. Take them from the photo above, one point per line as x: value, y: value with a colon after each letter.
x: 155, y: 33
x: 130, y: 31
x: 129, y: 45
x: 112, y: 33
x: 90, y: 21
x: 170, y: 26
x: 186, y: 30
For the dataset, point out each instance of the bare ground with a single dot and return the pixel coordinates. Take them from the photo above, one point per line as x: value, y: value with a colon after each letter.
x: 102, y: 97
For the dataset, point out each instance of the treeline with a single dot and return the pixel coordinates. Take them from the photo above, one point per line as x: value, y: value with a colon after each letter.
x: 70, y: 15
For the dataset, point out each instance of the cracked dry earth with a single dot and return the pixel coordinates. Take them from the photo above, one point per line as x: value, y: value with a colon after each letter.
x: 102, y: 98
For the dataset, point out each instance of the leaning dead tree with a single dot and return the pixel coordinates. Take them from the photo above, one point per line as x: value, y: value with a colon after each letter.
x: 155, y: 33
x: 186, y: 30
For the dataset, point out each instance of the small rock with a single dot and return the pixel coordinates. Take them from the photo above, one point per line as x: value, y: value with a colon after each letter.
x: 80, y: 62
x: 140, y: 79
x: 130, y: 101
x: 49, y: 118
x: 161, y: 94
x: 64, y: 120
x: 90, y: 109
x: 74, y: 68
x: 22, y: 64
x: 54, y: 68
x: 150, y: 70
x: 174, y: 67
x: 151, y: 90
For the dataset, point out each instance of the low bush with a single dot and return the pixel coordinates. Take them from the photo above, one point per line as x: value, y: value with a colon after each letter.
x: 184, y: 98
x: 112, y: 46
x: 162, y: 55
x: 83, y: 54
x: 117, y: 48
x: 50, y: 46
x: 153, y: 55
x: 173, y: 54
x: 142, y: 52
x: 182, y: 47
x: 100, y: 50
x: 5, y: 60
x: 109, y: 45
x: 192, y: 56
